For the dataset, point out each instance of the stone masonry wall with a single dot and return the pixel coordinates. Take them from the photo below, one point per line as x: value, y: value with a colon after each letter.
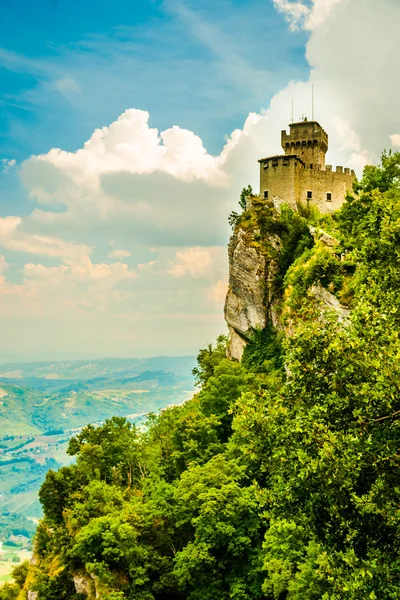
x: 286, y: 177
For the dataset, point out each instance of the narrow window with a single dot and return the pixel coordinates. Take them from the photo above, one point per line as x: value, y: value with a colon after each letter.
x: 274, y: 163
x: 266, y: 165
x: 309, y: 195
x: 285, y: 162
x: 311, y: 166
x: 265, y: 194
x: 329, y: 197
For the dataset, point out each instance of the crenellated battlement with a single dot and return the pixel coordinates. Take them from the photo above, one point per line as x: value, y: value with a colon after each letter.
x: 308, y: 140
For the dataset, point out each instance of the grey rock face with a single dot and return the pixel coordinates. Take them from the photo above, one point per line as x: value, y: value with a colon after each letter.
x: 321, y: 236
x: 32, y: 595
x: 329, y: 301
x: 249, y: 295
x: 82, y: 584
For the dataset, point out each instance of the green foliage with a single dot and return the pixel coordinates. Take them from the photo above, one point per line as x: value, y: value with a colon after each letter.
x: 56, y: 587
x: 295, y: 238
x: 208, y: 359
x: 279, y: 479
x: 20, y: 572
x: 234, y: 218
x: 9, y: 591
x: 245, y: 193
x: 314, y: 266
x: 383, y: 177
x: 108, y: 453
x: 263, y: 353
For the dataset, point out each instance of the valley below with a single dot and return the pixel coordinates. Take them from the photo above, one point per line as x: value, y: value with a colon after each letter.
x: 42, y: 405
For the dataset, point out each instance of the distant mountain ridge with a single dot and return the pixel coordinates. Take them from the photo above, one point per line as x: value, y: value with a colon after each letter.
x: 42, y: 404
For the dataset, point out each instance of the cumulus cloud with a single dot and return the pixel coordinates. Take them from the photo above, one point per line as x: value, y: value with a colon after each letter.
x: 194, y: 262
x: 306, y: 14
x: 13, y: 237
x: 76, y: 286
x: 157, y: 188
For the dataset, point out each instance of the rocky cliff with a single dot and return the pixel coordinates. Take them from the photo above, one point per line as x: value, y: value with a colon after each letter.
x: 250, y: 294
x: 266, y: 241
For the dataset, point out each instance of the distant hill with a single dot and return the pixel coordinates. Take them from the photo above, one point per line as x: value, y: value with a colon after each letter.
x: 42, y: 404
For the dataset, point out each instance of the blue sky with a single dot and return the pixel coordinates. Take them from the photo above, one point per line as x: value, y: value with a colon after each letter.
x: 127, y: 130
x: 68, y: 67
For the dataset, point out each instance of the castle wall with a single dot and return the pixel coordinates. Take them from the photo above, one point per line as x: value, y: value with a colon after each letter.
x: 291, y: 181
x: 281, y: 180
x: 320, y: 183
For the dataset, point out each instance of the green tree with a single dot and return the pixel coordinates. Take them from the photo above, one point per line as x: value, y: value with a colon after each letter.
x: 208, y: 359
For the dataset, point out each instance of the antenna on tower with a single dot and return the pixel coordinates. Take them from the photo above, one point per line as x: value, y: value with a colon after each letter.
x: 312, y: 95
x: 292, y: 111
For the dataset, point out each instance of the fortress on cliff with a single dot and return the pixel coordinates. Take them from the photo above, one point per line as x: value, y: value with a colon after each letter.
x: 300, y: 175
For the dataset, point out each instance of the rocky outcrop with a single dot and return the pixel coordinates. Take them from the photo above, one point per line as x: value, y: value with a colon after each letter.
x: 83, y: 585
x: 32, y: 595
x: 326, y: 300
x: 250, y: 295
x: 326, y: 239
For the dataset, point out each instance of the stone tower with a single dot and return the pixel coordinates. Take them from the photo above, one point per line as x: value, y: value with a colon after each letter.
x: 300, y: 176
x: 308, y: 141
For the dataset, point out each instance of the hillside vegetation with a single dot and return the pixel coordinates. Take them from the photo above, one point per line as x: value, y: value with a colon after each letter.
x: 280, y: 478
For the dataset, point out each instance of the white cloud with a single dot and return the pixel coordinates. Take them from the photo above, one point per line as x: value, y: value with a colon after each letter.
x: 6, y: 164
x: 195, y: 262
x: 395, y: 140
x: 296, y: 13
x: 119, y: 253
x: 3, y: 268
x: 73, y: 287
x: 130, y: 145
x: 66, y: 85
x: 218, y: 292
x: 13, y: 237
x: 157, y: 188
x: 307, y: 14
x: 146, y: 266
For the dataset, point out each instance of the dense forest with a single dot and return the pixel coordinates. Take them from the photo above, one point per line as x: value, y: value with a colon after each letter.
x: 280, y: 478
